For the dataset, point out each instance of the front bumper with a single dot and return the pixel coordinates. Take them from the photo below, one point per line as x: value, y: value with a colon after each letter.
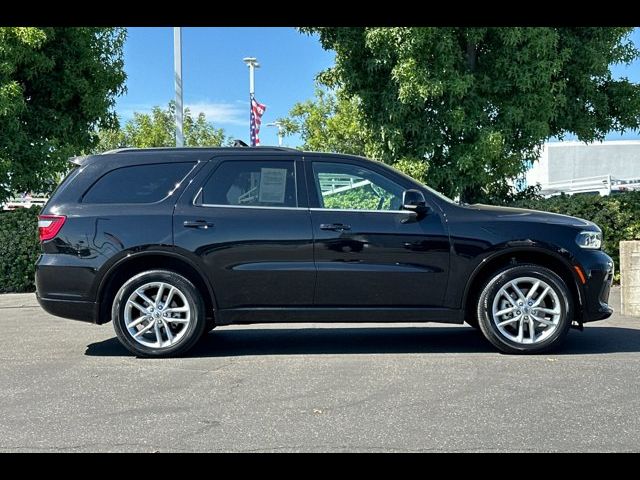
x: 599, y: 269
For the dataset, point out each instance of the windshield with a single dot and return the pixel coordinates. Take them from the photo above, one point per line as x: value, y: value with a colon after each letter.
x: 441, y: 196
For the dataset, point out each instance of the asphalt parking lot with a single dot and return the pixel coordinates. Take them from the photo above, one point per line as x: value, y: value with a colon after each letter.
x: 69, y: 386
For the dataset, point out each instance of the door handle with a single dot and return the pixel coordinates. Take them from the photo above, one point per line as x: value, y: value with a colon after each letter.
x: 335, y: 227
x: 198, y: 224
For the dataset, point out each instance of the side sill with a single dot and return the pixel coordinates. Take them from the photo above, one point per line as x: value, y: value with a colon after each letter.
x: 336, y: 315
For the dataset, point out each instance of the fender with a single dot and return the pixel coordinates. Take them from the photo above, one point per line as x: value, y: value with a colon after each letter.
x: 553, y: 251
x: 139, y: 252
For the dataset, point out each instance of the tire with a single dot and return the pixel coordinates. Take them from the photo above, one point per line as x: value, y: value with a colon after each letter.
x: 180, y: 323
x: 510, y: 332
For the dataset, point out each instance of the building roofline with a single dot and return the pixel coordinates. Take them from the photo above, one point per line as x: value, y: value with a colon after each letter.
x: 604, y: 143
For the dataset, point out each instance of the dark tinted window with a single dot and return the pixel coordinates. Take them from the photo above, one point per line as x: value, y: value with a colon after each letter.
x: 137, y: 184
x: 261, y: 184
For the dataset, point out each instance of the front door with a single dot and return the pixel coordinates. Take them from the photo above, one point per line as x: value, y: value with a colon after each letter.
x: 368, y: 251
x: 248, y: 230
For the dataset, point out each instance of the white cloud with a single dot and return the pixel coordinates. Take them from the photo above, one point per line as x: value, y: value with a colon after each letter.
x: 219, y: 113
x: 236, y: 113
x: 126, y: 111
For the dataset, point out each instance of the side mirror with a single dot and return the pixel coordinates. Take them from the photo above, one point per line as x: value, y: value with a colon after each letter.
x: 413, y: 200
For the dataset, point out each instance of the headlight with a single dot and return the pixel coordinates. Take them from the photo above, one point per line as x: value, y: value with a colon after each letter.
x: 591, y: 240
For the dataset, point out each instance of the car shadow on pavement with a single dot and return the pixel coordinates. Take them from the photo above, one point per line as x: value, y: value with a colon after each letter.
x: 316, y: 341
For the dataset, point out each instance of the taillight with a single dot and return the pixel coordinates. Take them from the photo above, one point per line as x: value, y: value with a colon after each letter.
x: 49, y: 226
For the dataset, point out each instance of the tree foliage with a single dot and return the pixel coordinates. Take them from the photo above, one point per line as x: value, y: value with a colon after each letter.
x: 476, y: 104
x: 57, y: 85
x: 157, y: 129
x: 333, y: 122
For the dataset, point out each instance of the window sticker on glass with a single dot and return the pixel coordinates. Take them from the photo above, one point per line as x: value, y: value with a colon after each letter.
x: 273, y: 182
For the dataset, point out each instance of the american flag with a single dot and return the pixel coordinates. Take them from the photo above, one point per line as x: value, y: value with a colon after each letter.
x: 257, y: 110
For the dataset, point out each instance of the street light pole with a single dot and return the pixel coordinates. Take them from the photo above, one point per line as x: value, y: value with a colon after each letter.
x: 252, y: 63
x: 280, y: 135
x: 177, y: 65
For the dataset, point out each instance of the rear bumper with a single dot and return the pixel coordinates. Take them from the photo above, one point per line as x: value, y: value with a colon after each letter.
x: 73, y: 309
x: 63, y: 284
x: 599, y: 271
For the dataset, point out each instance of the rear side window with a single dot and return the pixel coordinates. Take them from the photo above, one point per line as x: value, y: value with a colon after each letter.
x: 252, y: 184
x: 138, y: 184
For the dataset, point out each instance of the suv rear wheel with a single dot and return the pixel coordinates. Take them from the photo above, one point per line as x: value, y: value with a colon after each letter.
x: 158, y: 313
x: 525, y: 309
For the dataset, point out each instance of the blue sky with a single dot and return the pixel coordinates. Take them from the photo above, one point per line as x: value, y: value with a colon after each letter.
x: 216, y: 81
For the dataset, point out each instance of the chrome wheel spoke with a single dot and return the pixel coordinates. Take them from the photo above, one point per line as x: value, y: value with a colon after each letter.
x: 510, y: 321
x: 178, y: 320
x: 532, y: 330
x: 504, y: 293
x: 519, y: 293
x: 550, y: 311
x: 146, y: 328
x: 159, y: 295
x: 533, y: 290
x: 543, y: 321
x: 170, y: 296
x: 141, y: 294
x: 542, y: 296
x: 166, y: 326
x: 167, y: 331
x: 137, y: 321
x: 520, y: 330
x: 138, y: 306
x: 177, y: 309
x: 505, y: 311
x: 156, y: 330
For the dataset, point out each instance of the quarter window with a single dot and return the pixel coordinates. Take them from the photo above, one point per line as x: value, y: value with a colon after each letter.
x: 138, y: 184
x: 252, y: 184
x: 350, y: 187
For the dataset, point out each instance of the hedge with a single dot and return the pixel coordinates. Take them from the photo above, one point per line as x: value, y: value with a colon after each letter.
x: 19, y: 249
x: 617, y: 215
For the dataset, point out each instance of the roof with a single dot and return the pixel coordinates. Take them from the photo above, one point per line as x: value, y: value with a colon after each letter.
x: 145, y: 155
x: 199, y: 149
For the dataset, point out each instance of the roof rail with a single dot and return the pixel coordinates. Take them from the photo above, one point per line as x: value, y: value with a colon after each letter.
x: 133, y: 149
x: 119, y: 150
x: 79, y: 160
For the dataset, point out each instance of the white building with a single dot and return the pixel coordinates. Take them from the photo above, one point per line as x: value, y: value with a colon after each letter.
x: 575, y: 167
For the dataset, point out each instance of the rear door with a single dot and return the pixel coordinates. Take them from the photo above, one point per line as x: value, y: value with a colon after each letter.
x: 248, y: 224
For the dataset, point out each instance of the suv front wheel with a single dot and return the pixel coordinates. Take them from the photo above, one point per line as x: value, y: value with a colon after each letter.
x: 158, y: 313
x: 525, y: 309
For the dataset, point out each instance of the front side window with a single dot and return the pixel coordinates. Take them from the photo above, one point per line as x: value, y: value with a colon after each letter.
x: 252, y: 184
x: 351, y: 187
x: 138, y: 184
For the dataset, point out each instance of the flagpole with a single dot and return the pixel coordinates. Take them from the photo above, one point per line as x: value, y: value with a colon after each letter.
x: 177, y: 65
x: 252, y: 63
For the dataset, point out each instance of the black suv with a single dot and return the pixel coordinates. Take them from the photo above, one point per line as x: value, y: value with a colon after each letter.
x: 170, y: 243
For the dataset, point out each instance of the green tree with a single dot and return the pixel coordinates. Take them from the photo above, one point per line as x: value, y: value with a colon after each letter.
x: 476, y: 104
x: 333, y: 122
x: 57, y: 85
x: 157, y: 129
